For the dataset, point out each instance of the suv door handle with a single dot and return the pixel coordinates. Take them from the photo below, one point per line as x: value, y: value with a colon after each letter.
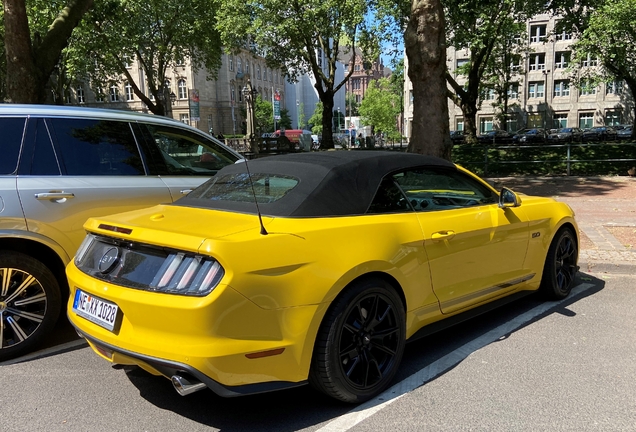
x: 54, y: 195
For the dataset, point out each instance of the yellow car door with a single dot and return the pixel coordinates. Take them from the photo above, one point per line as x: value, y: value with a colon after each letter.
x: 475, y: 249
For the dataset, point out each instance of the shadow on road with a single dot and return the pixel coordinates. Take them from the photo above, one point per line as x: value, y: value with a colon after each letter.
x: 303, y: 407
x: 566, y: 186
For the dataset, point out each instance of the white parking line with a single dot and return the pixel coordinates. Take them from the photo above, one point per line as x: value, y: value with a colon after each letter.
x: 367, y: 409
x: 46, y: 352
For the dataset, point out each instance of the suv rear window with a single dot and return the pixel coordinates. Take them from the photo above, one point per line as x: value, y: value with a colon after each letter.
x: 11, y: 131
x: 96, y: 147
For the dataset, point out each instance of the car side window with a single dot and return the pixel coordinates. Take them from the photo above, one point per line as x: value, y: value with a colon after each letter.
x: 433, y: 188
x: 186, y: 153
x: 389, y: 199
x: 11, y: 130
x: 96, y: 147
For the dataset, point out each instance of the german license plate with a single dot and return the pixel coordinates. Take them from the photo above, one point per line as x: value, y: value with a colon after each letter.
x: 99, y: 311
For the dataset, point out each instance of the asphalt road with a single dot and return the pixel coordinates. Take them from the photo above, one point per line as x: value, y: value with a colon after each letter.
x: 534, y: 366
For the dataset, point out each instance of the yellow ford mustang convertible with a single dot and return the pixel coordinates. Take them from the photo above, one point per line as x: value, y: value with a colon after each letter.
x: 311, y: 268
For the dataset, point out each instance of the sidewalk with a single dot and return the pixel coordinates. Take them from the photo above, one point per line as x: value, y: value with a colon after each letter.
x: 605, y: 210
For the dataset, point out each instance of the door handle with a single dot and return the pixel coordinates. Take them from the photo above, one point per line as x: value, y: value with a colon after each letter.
x: 443, y: 235
x: 185, y: 191
x: 53, y: 195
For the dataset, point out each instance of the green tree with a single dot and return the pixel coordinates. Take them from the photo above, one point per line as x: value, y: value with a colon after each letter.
x: 611, y: 37
x: 32, y: 49
x: 285, y: 120
x: 160, y: 34
x: 315, y: 121
x: 300, y: 37
x: 301, y: 116
x: 380, y: 107
x: 351, y: 105
x: 263, y: 116
x: 488, y: 30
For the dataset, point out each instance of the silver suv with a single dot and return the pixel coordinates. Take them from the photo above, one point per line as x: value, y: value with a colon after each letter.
x: 61, y: 165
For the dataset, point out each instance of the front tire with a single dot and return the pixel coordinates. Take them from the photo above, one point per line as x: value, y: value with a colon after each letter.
x: 360, y: 342
x: 560, y: 266
x: 29, y: 303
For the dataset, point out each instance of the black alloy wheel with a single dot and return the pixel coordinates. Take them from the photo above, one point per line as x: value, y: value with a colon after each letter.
x: 360, y: 343
x: 29, y: 303
x: 561, y: 266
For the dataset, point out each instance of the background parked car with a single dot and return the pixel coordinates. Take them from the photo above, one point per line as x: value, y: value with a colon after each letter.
x: 625, y: 133
x: 495, y: 136
x: 533, y: 135
x: 566, y: 135
x: 457, y: 137
x: 599, y: 133
x: 60, y: 166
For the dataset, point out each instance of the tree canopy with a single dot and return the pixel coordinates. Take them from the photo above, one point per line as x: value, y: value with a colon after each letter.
x: 160, y: 34
x: 610, y: 35
x: 381, y: 107
x: 34, y: 38
x: 303, y: 36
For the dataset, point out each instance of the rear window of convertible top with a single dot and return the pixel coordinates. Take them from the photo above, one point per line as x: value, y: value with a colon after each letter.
x: 237, y: 187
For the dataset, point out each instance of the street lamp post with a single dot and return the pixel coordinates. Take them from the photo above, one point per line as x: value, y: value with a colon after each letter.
x: 338, y: 119
x: 297, y: 114
x: 545, y: 99
x: 250, y: 95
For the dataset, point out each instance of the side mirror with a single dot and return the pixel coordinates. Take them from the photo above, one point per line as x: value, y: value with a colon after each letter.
x: 508, y: 198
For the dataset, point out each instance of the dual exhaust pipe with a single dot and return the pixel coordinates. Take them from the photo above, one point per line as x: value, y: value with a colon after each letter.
x: 186, y: 386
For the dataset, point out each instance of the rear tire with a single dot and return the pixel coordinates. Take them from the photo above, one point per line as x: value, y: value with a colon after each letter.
x: 560, y: 267
x: 360, y: 342
x: 29, y: 303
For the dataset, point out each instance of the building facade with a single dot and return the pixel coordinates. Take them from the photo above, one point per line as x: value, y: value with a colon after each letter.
x: 221, y: 103
x: 545, y: 94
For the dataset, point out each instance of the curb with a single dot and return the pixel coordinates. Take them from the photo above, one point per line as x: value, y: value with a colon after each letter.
x: 617, y: 267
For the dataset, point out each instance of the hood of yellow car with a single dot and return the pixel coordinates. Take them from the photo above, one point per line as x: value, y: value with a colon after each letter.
x: 169, y: 225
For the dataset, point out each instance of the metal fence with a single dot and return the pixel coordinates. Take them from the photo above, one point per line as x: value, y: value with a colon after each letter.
x: 553, y: 159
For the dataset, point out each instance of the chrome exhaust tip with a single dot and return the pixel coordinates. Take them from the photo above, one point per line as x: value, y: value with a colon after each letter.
x: 184, y: 386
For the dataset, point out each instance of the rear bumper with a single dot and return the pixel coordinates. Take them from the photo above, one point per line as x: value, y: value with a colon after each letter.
x: 169, y: 368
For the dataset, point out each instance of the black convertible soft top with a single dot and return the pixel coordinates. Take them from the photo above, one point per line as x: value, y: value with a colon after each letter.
x: 338, y: 183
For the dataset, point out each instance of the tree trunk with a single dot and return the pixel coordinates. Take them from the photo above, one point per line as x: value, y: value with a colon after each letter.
x: 29, y: 65
x: 327, y: 119
x: 425, y: 43
x: 22, y: 77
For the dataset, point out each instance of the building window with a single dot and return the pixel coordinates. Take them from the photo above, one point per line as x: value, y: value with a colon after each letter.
x: 513, y: 91
x: 239, y: 65
x: 240, y: 94
x: 459, y: 124
x: 462, y: 62
x: 561, y: 88
x: 562, y: 59
x: 318, y: 58
x: 130, y: 95
x: 183, y: 118
x: 356, y: 68
x: 356, y: 84
x: 589, y: 61
x: 127, y: 63
x: 538, y: 33
x: 114, y: 93
x: 537, y: 61
x: 247, y: 67
x: 587, y: 88
x: 489, y: 94
x: 230, y: 61
x: 560, y: 120
x: 564, y: 35
x: 614, y: 87
x: 485, y: 124
x: 79, y: 93
x: 358, y: 98
x: 271, y: 78
x: 612, y: 117
x: 586, y: 120
x: 536, y: 89
x: 258, y: 72
x: 511, y: 124
x: 232, y: 93
x: 182, y: 89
